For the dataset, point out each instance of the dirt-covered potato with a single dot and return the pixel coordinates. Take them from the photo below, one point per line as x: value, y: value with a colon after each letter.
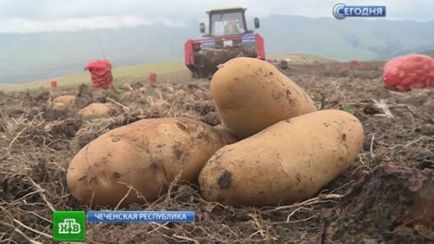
x: 64, y: 101
x: 251, y: 94
x: 146, y: 155
x: 289, y: 161
x: 95, y: 110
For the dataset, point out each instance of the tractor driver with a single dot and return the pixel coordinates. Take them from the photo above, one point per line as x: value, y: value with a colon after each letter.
x: 231, y: 28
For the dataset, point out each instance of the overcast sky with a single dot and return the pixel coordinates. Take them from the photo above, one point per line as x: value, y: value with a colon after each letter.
x: 70, y: 15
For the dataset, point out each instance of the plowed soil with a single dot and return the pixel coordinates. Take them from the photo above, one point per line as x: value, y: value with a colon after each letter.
x: 368, y: 204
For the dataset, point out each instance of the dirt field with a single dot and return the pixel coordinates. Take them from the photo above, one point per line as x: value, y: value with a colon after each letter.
x: 365, y: 205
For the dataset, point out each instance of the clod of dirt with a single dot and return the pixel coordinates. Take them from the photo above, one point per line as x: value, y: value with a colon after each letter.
x: 370, y: 109
x: 51, y: 114
x: 392, y: 204
x: 211, y: 118
x: 84, y: 96
x: 64, y: 129
x: 82, y: 140
x: 204, y: 107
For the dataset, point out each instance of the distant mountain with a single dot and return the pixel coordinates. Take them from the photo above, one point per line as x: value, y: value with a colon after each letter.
x: 428, y: 52
x: 347, y: 39
x: 28, y: 57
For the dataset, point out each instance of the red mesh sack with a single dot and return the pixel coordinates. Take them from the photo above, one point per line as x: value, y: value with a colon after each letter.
x: 354, y: 63
x: 101, y: 73
x: 411, y: 71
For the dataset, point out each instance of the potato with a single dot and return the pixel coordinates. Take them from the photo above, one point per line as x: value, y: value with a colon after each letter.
x: 251, y: 94
x: 64, y: 101
x: 289, y: 161
x: 95, y: 110
x: 146, y: 155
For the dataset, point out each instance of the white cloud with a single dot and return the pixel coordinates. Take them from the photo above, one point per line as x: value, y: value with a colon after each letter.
x: 18, y: 25
x: 67, y: 15
x: 71, y: 24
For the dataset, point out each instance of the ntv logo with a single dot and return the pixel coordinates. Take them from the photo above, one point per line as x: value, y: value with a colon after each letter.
x: 340, y: 11
x: 69, y: 226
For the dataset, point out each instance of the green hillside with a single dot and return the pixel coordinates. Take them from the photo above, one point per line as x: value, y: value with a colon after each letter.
x: 347, y: 39
x: 303, y: 58
x: 429, y: 52
x: 130, y: 74
x: 39, y: 56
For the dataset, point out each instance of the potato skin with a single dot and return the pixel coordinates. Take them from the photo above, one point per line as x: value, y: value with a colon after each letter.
x: 289, y: 161
x: 251, y: 94
x: 146, y: 155
x: 64, y: 101
x: 95, y: 110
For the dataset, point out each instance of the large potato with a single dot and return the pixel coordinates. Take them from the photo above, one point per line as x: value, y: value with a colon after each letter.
x: 146, y: 155
x: 251, y: 94
x: 286, y: 162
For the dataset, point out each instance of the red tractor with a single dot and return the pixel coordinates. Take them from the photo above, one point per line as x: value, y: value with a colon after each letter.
x: 227, y: 38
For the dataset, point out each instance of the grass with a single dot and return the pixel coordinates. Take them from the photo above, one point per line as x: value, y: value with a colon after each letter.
x: 129, y: 73
x: 141, y: 72
x: 301, y: 58
x: 345, y: 106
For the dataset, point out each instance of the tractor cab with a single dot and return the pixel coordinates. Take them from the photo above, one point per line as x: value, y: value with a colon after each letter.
x: 227, y: 37
x: 228, y: 21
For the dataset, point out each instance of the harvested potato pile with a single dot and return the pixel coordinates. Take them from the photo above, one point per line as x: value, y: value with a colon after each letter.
x: 289, y: 153
x: 145, y: 156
